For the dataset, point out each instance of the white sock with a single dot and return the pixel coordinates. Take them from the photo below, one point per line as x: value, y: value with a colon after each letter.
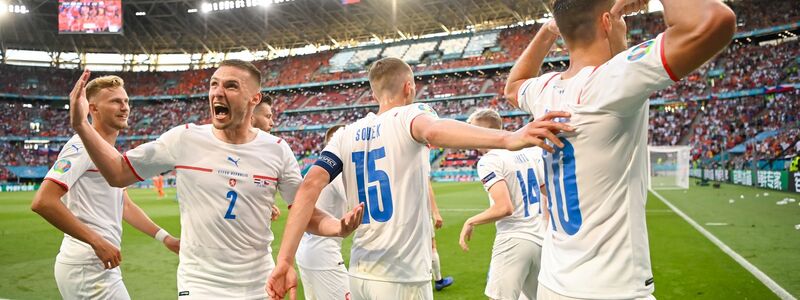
x: 437, y: 268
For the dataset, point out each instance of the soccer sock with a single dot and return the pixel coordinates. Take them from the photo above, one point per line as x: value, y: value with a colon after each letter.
x: 437, y: 268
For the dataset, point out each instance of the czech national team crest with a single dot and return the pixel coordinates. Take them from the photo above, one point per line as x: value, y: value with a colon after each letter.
x: 62, y: 166
x: 640, y: 51
x: 232, y: 182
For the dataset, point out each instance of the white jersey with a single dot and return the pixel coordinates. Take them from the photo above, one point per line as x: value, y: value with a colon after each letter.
x: 523, y: 173
x: 597, y: 184
x: 384, y: 168
x: 226, y: 192
x: 90, y: 198
x: 319, y: 252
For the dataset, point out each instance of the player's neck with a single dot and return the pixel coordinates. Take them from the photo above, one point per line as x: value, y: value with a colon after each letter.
x: 239, y: 135
x: 592, y: 55
x: 388, y: 104
x: 106, y: 132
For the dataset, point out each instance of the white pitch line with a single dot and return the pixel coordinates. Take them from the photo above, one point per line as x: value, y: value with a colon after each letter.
x: 771, y: 284
x: 461, y: 209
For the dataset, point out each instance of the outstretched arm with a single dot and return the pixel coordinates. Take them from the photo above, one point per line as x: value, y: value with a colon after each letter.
x: 530, y: 63
x: 459, y: 135
x: 107, y: 159
x: 501, y: 208
x: 134, y: 215
x: 47, y: 203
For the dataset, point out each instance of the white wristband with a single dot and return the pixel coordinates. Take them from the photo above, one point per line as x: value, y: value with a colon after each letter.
x: 161, y: 235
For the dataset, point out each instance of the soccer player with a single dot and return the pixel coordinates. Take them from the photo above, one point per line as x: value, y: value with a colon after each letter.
x: 597, y: 246
x: 158, y: 184
x: 262, y: 114
x: 319, y: 258
x: 513, y: 180
x: 76, y: 199
x: 227, y: 174
x: 384, y: 161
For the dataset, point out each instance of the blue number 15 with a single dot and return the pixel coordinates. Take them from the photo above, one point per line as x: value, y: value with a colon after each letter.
x: 377, y: 206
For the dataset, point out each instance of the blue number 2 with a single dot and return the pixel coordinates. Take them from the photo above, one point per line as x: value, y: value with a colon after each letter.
x: 232, y: 197
x: 380, y: 212
x: 530, y: 190
x: 562, y: 165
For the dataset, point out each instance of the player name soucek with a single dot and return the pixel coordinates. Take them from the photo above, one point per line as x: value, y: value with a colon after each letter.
x: 333, y: 164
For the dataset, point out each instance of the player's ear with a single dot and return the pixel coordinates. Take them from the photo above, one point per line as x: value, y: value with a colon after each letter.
x: 606, y: 22
x: 256, y: 99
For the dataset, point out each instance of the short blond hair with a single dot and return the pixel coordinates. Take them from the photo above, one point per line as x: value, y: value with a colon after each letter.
x: 100, y: 83
x: 487, y: 116
x: 386, y: 75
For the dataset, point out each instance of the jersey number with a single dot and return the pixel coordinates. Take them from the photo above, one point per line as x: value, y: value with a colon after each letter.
x: 232, y: 197
x: 377, y: 206
x: 530, y: 190
x: 564, y: 188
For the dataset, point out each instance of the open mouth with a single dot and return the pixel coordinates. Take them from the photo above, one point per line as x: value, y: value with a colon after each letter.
x: 221, y: 111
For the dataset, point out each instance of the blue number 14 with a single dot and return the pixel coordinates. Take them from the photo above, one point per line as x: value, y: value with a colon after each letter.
x: 377, y: 206
x: 530, y: 190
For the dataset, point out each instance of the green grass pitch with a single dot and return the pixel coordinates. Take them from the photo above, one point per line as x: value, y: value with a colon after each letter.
x: 685, y: 264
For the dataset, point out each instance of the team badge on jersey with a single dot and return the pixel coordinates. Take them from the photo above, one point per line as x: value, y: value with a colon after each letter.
x: 232, y: 182
x: 640, y: 51
x: 62, y: 166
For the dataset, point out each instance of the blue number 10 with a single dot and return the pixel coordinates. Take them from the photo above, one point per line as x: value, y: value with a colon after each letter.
x: 562, y: 166
x: 372, y: 208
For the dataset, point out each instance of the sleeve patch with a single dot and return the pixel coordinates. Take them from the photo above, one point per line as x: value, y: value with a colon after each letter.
x: 641, y: 50
x: 427, y: 108
x: 488, y: 178
x: 62, y: 166
x: 331, y: 163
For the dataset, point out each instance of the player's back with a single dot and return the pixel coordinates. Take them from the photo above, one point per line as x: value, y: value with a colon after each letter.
x: 522, y: 172
x: 383, y: 167
x: 597, y: 183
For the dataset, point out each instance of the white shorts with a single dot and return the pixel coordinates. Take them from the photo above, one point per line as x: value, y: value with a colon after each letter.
x: 325, y: 284
x: 547, y: 294
x: 90, y: 281
x: 363, y: 289
x: 514, y: 269
x: 206, y: 286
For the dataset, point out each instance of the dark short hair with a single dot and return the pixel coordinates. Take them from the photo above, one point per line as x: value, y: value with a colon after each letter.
x: 265, y: 100
x: 576, y: 19
x: 245, y: 66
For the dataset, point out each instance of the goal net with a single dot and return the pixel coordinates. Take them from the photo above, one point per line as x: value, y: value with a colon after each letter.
x: 669, y: 167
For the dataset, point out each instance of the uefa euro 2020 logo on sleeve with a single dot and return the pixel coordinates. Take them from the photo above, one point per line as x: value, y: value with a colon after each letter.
x: 62, y: 166
x: 640, y: 51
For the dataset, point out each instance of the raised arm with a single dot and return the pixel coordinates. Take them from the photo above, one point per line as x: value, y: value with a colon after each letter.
x: 107, y: 159
x: 530, y: 63
x: 459, y: 135
x: 696, y: 31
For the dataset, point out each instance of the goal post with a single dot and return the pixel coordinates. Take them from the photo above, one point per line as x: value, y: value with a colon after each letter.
x: 669, y: 167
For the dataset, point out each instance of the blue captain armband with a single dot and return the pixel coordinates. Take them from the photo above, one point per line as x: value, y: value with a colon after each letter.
x: 331, y: 163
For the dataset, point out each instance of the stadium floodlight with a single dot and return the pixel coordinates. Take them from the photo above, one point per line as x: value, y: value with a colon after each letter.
x: 141, y: 13
x: 191, y: 10
x: 15, y: 9
x: 207, y: 7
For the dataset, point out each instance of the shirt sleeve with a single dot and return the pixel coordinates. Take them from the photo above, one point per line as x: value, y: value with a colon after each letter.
x: 490, y: 170
x: 290, y: 179
x: 413, y: 111
x: 531, y: 89
x: 625, y: 82
x: 72, y: 162
x: 156, y: 157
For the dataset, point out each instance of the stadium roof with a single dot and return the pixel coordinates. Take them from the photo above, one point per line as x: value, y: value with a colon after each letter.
x: 169, y: 27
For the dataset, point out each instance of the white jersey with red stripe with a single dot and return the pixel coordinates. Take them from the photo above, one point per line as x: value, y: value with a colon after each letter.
x: 226, y: 191
x: 385, y: 168
x: 523, y: 173
x: 319, y: 252
x: 597, y: 184
x: 90, y: 198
